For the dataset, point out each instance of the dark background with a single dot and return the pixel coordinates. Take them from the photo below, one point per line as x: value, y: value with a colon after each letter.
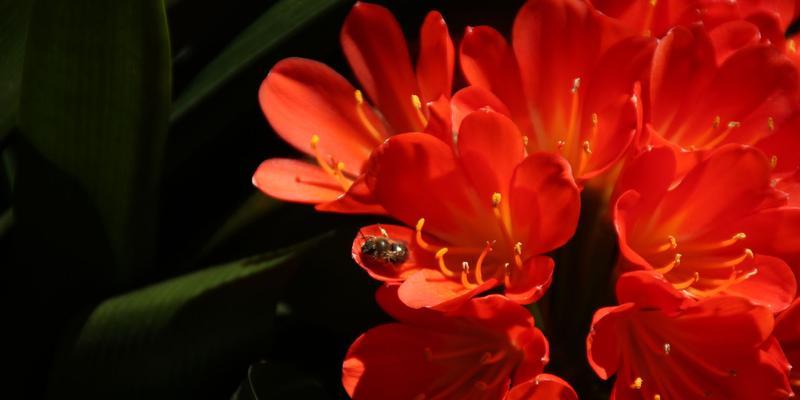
x: 235, y: 289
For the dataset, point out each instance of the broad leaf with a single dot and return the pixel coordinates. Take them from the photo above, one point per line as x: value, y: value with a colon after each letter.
x: 280, y: 22
x: 13, y: 31
x: 175, y: 339
x: 94, y: 109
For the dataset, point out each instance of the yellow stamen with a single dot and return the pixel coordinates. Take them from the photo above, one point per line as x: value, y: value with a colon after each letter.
x: 637, y: 383
x: 362, y: 116
x: 587, y: 147
x: 420, y: 241
x: 687, y: 283
x: 479, y: 264
x: 465, y: 276
x: 791, y: 45
x: 573, y: 115
x: 667, y: 348
x: 442, y: 265
x: 337, y: 173
x: 773, y: 161
x: 771, y: 124
x: 748, y: 255
x: 418, y: 106
x: 507, y: 275
x: 676, y: 261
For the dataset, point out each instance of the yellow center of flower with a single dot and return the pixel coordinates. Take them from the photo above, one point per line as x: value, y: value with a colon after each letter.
x: 688, y: 260
x: 472, y: 275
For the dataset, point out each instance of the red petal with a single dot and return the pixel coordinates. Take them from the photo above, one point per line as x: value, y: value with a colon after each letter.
x: 489, y: 171
x: 647, y: 289
x: 727, y: 186
x: 387, y: 272
x: 376, y: 50
x: 440, y: 120
x: 732, y: 36
x: 529, y: 283
x: 555, y: 42
x: 357, y: 200
x: 602, y: 344
x: 544, y: 202
x: 488, y: 62
x: 436, y: 58
x: 429, y: 288
x: 650, y: 174
x: 296, y: 181
x: 608, y: 93
x: 474, y: 98
x: 775, y: 232
x: 683, y: 64
x: 301, y: 98
x: 784, y: 144
x: 416, y: 176
x: 543, y: 387
x: 773, y: 285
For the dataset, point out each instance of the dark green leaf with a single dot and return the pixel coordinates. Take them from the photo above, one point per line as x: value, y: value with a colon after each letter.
x: 176, y: 339
x: 13, y: 30
x: 94, y: 111
x: 283, y: 20
x: 268, y: 380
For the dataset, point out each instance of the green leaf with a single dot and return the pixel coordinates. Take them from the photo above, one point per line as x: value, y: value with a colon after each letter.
x: 176, y: 339
x: 94, y: 111
x: 283, y: 20
x: 13, y: 31
x: 268, y: 380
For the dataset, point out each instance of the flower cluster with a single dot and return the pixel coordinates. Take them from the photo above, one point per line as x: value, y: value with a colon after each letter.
x: 683, y: 116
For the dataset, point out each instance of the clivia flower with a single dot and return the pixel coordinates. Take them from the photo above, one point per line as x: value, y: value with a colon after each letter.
x: 656, y: 17
x: 318, y: 112
x: 663, y: 346
x: 483, y: 209
x: 568, y: 80
x: 787, y: 330
x: 479, y: 351
x: 697, y: 103
x: 722, y: 229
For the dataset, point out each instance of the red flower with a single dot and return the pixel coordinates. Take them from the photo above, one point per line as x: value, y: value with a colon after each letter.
x: 476, y: 352
x: 657, y: 17
x: 566, y: 87
x: 663, y: 346
x: 697, y: 103
x: 484, y: 213
x: 317, y: 111
x: 722, y: 230
x: 787, y: 330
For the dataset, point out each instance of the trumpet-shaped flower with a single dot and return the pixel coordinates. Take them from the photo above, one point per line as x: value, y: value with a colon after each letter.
x: 318, y: 112
x: 662, y: 346
x: 722, y: 229
x: 484, y: 212
x: 568, y: 80
x: 478, y: 351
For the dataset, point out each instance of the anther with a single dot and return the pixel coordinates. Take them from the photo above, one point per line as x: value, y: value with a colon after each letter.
x: 576, y: 83
x: 518, y: 248
x: 773, y: 161
x: 734, y: 124
x: 587, y: 147
x: 637, y: 383
x: 465, y: 276
x: 560, y: 144
x: 673, y: 242
x: 657, y: 397
x: 749, y: 254
x: 594, y: 120
x: 716, y: 122
x: 314, y: 141
x: 416, y: 101
x: 740, y: 236
x: 359, y: 97
x: 525, y: 140
x: 791, y: 45
x: 667, y: 348
x: 771, y: 123
x: 496, y: 199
